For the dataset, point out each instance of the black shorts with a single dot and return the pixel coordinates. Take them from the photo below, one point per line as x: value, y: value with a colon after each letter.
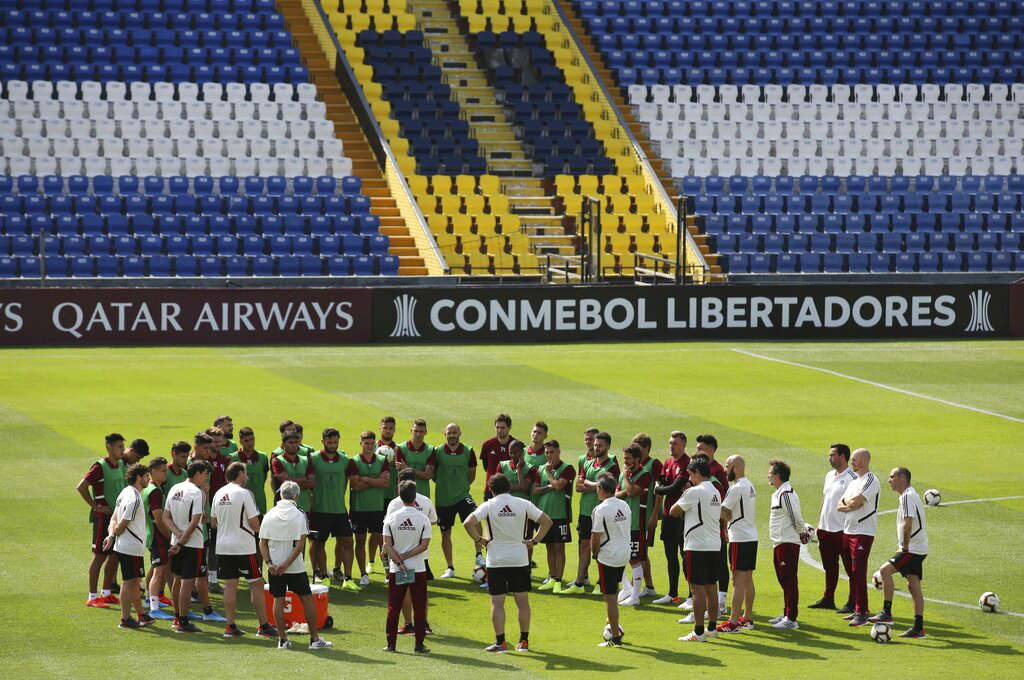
x: 504, y: 580
x: 908, y: 564
x: 531, y: 528
x: 367, y: 522
x: 446, y: 513
x: 672, y: 530
x: 188, y: 563
x: 608, y: 578
x: 650, y: 535
x: 584, y: 527
x: 743, y: 556
x: 638, y: 544
x: 297, y: 583
x: 100, y: 523
x: 327, y: 524
x: 238, y: 566
x: 702, y: 567
x: 158, y: 553
x: 558, y: 533
x: 132, y: 566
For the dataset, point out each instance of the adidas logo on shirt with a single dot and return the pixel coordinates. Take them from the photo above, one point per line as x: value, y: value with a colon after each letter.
x: 224, y: 500
x: 506, y: 511
x: 620, y: 516
x: 407, y: 525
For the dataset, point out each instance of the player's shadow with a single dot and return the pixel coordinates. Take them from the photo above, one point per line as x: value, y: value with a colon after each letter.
x: 959, y: 645
x: 671, y: 656
x: 551, y: 661
x: 788, y: 651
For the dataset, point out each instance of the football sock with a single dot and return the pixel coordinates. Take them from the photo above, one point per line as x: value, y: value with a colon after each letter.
x: 154, y: 603
x: 887, y: 606
x: 918, y: 622
x: 93, y: 596
x: 524, y: 636
x: 213, y: 578
x: 699, y: 630
x: 499, y: 639
x: 638, y: 579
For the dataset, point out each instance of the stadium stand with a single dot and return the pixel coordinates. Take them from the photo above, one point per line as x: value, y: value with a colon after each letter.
x: 823, y: 136
x: 176, y: 139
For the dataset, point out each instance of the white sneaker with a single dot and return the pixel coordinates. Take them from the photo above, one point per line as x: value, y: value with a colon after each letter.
x: 786, y: 624
x: 448, y: 573
x: 624, y: 595
x: 365, y: 580
x: 320, y: 643
x: 480, y: 561
x: 687, y: 619
x: 777, y: 619
x: 693, y: 637
x: 710, y: 632
x: 649, y: 592
x: 664, y: 599
x: 687, y: 605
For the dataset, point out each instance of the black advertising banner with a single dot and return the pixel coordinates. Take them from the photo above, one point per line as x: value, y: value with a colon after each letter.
x: 562, y: 313
x: 177, y: 316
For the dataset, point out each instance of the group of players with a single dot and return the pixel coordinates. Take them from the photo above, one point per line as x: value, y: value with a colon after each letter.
x: 201, y: 516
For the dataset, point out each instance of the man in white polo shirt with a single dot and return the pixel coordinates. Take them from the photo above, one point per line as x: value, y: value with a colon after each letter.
x: 788, y: 532
x: 406, y: 539
x: 739, y: 512
x: 426, y: 506
x: 508, y: 562
x: 830, y: 527
x: 237, y: 519
x: 127, y: 536
x: 912, y: 538
x: 859, y: 506
x: 611, y: 524
x: 181, y: 517
x: 701, y: 509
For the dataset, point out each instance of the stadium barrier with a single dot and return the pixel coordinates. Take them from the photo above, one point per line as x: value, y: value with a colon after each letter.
x: 160, y: 316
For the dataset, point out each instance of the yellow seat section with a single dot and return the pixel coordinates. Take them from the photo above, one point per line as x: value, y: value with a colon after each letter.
x: 474, y: 204
x: 499, y: 203
x: 418, y: 184
x: 588, y: 185
x: 438, y: 223
x: 510, y: 223
x: 465, y: 184
x: 441, y: 184
x: 489, y: 184
x: 461, y: 224
x: 485, y: 224
x: 450, y: 204
x: 565, y: 184
x: 573, y: 203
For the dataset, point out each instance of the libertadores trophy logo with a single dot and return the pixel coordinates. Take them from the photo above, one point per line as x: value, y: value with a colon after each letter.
x: 405, y: 319
x: 979, y: 322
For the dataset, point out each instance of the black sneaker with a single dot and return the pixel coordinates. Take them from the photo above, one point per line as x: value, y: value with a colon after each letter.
x: 336, y: 575
x: 420, y: 649
x: 129, y: 623
x: 266, y: 631
x: 389, y: 648
x: 185, y: 627
x: 845, y: 609
x: 881, y: 617
x: 822, y: 604
x: 232, y: 631
x: 913, y: 633
x: 146, y: 619
x: 407, y: 629
x: 859, y: 620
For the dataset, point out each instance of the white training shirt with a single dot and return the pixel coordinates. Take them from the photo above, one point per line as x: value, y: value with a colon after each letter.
x: 786, y: 522
x: 233, y: 506
x: 702, y: 519
x: 911, y: 506
x: 129, y: 506
x: 407, y: 526
x: 184, y: 501
x: 612, y: 518
x: 864, y: 520
x: 422, y: 503
x: 740, y: 500
x: 507, y: 518
x: 283, y: 526
x: 830, y: 519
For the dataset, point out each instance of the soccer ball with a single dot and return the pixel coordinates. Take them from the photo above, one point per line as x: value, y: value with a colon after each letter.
x: 989, y: 602
x: 876, y: 578
x: 932, y: 497
x: 479, y: 574
x: 608, y: 631
x: 881, y: 632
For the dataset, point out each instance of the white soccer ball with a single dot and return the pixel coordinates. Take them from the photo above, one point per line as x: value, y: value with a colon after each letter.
x: 479, y: 574
x: 989, y: 602
x: 876, y: 579
x: 608, y: 631
x: 932, y: 497
x: 881, y: 632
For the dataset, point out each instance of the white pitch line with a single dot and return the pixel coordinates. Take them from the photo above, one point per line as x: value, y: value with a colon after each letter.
x: 805, y: 556
x: 881, y: 385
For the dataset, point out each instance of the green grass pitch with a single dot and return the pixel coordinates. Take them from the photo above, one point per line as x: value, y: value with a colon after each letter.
x: 56, y: 405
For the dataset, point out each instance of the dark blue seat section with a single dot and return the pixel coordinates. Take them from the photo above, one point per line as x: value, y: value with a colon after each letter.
x: 541, y: 103
x: 761, y: 42
x: 171, y: 40
x: 860, y: 224
x: 221, y: 226
x: 438, y: 138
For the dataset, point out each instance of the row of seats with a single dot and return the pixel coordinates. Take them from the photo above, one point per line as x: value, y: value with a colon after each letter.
x: 828, y: 8
x: 188, y: 265
x: 824, y: 204
x: 185, y: 20
x: 841, y: 93
x: 224, y: 245
x: 795, y: 166
x: 145, y: 56
x: 228, y: 185
x: 763, y: 42
x: 853, y: 185
x: 862, y: 263
x: 170, y: 166
x: 869, y: 243
x: 186, y: 205
x: 142, y: 5
x: 955, y: 223
x: 202, y: 73
x: 164, y: 92
x: 697, y: 57
x: 167, y: 224
x: 762, y: 75
x: 81, y: 43
x: 141, y: 147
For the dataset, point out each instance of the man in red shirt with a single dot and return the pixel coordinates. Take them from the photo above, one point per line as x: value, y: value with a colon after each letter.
x: 495, y: 450
x: 653, y: 466
x: 634, y: 488
x: 669, y: 488
x: 218, y: 478
x: 109, y: 467
x: 708, y: 445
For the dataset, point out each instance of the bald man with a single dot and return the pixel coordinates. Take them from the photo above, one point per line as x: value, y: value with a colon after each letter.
x: 859, y: 506
x: 738, y: 512
x: 454, y: 475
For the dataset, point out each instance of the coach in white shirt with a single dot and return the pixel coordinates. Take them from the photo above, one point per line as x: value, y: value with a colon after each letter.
x: 701, y: 509
x: 788, y: 532
x: 611, y: 523
x: 860, y: 521
x: 508, y: 563
x: 127, y: 535
x: 739, y: 510
x: 406, y: 540
x: 237, y: 520
x: 426, y: 506
x: 912, y: 538
x: 830, y: 527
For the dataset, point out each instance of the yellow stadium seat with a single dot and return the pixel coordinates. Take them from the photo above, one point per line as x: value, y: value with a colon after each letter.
x: 657, y: 223
x: 406, y: 165
x: 544, y: 22
x: 406, y: 22
x: 644, y: 243
x: 465, y: 184
x: 390, y: 127
x: 510, y: 224
x: 611, y: 184
x: 450, y: 205
x: 399, y: 145
x: 418, y: 184
x: 489, y: 184
x: 438, y: 223
x: 573, y: 204
x: 588, y: 185
x: 634, y: 223
x: 485, y: 223
x: 644, y: 203
x: 474, y: 204
x: 477, y: 23
x: 441, y: 184
x: 636, y: 185
x: 499, y: 203
x: 489, y: 6
x: 565, y: 184
x: 462, y: 224
x: 619, y: 203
